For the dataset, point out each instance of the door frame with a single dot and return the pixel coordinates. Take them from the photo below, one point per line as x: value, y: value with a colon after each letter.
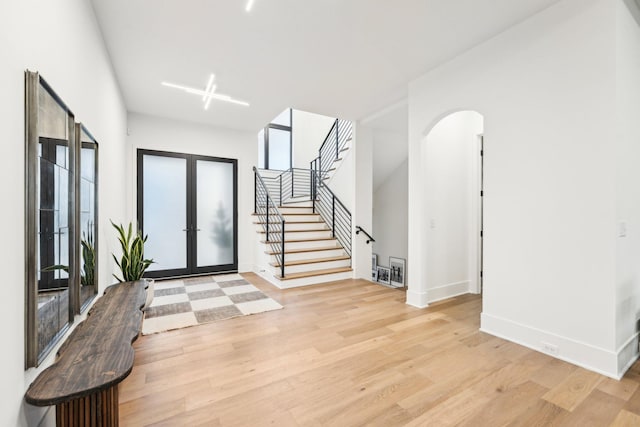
x: 476, y: 232
x: 191, y: 236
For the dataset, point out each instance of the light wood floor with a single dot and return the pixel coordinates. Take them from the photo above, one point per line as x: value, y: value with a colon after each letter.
x: 353, y: 353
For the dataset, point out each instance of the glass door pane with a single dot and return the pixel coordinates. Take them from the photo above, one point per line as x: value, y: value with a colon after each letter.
x: 164, y: 211
x: 215, y: 213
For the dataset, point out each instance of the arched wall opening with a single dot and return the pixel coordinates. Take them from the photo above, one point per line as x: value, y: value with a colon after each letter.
x: 452, y: 172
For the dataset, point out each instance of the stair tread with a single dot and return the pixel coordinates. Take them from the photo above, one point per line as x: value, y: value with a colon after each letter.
x: 319, y: 239
x: 294, y: 222
x: 315, y: 273
x: 285, y: 214
x: 303, y: 250
x: 311, y: 261
x: 315, y: 230
x: 294, y: 207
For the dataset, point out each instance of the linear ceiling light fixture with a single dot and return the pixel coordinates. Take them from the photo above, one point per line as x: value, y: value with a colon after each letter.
x: 207, y: 94
x: 249, y: 5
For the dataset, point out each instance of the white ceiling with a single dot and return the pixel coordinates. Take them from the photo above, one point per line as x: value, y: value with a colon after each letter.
x: 341, y: 58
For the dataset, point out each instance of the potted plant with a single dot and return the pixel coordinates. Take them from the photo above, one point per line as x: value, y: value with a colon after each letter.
x: 132, y: 264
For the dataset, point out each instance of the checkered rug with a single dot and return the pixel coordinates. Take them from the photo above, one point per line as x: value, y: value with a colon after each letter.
x: 194, y: 301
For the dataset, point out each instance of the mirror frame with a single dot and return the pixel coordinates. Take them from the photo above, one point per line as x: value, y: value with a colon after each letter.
x: 80, y: 129
x: 33, y: 84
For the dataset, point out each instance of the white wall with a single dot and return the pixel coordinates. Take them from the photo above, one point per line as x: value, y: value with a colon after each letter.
x: 154, y: 133
x: 62, y: 42
x: 546, y: 89
x: 628, y: 179
x: 448, y: 158
x: 390, y: 218
x: 309, y: 131
x: 358, y: 183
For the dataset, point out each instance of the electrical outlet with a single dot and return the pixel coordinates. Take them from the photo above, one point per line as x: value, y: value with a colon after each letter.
x: 550, y: 348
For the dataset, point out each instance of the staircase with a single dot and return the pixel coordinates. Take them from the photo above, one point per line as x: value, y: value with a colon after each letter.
x: 304, y: 229
x: 311, y: 253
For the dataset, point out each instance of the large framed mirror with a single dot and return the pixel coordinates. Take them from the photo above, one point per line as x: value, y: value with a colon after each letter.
x: 50, y: 278
x: 87, y: 212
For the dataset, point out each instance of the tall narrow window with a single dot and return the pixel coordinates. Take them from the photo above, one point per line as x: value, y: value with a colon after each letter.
x: 275, y: 143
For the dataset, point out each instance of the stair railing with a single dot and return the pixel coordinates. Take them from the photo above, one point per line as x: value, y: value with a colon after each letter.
x: 334, y: 143
x: 270, y: 218
x: 295, y: 183
x: 333, y: 212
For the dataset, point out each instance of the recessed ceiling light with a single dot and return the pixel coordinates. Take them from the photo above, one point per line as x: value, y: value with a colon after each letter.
x: 249, y: 5
x: 207, y: 94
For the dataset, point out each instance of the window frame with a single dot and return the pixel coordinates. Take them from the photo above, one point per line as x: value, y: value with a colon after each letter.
x: 266, y: 140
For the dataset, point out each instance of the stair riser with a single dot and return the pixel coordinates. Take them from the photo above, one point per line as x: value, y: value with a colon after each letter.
x: 304, y: 203
x: 306, y: 281
x: 299, y: 218
x: 299, y: 236
x: 291, y: 269
x: 292, y: 226
x: 310, y: 255
x: 287, y: 211
x: 290, y: 218
x: 313, y: 244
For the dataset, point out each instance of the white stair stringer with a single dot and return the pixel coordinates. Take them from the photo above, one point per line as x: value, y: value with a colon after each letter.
x: 311, y: 256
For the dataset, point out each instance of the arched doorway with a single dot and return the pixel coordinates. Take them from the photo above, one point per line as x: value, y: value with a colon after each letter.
x: 453, y: 205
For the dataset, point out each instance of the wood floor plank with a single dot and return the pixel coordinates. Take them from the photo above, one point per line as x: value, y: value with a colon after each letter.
x: 598, y: 409
x: 623, y: 389
x: 352, y: 353
x: 626, y: 419
x: 574, y: 389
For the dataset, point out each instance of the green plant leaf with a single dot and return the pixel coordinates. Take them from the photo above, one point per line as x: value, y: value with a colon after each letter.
x: 132, y: 263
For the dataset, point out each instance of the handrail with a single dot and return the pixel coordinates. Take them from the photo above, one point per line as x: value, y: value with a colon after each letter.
x: 255, y: 170
x: 335, y: 141
x: 360, y: 229
x: 326, y: 138
x: 262, y: 191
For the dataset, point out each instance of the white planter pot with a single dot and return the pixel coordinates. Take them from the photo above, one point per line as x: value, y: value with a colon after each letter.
x: 150, y: 288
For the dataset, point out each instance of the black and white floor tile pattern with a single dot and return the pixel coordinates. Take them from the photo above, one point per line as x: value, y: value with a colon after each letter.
x: 193, y: 301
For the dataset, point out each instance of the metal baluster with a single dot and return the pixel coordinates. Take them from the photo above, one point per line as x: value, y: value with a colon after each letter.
x: 333, y: 215
x: 282, y: 263
x: 337, y: 140
x: 267, y: 217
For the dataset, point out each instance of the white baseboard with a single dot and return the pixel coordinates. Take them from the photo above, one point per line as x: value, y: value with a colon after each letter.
x: 447, y: 291
x: 585, y: 355
x: 245, y: 268
x: 627, y: 354
x: 417, y: 299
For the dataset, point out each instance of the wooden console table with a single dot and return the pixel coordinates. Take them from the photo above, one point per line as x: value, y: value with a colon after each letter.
x: 83, y: 382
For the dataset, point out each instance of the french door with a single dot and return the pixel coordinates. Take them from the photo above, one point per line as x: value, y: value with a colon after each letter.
x: 187, y: 205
